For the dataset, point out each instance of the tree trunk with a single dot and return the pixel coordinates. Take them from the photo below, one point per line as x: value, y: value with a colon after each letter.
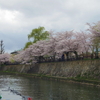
x: 96, y: 53
x: 76, y: 54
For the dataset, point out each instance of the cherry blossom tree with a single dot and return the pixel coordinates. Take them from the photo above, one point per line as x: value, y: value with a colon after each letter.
x: 83, y: 41
x: 95, y: 37
x: 59, y: 43
x: 95, y: 28
x: 65, y: 42
x: 71, y: 41
x: 4, y: 58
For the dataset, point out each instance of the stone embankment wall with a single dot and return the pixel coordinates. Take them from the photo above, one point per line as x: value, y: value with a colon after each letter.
x: 15, y: 68
x: 87, y: 68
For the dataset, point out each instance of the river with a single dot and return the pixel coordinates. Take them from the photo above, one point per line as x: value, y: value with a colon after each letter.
x: 40, y: 89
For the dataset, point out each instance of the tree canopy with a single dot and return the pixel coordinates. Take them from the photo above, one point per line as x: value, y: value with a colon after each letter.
x: 28, y: 44
x: 95, y: 38
x: 37, y: 34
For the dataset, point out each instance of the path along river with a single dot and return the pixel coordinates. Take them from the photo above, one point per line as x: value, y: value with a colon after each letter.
x: 40, y: 89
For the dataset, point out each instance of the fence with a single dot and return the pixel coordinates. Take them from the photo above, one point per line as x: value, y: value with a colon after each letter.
x: 53, y: 59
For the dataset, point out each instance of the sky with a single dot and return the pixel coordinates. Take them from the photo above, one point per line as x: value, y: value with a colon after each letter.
x: 19, y: 17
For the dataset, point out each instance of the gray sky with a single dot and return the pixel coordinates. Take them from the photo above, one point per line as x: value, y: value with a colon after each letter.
x: 19, y: 17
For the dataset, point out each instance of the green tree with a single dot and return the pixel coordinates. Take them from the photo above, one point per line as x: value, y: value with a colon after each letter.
x: 37, y: 34
x: 28, y: 44
x: 96, y: 45
x: 95, y: 30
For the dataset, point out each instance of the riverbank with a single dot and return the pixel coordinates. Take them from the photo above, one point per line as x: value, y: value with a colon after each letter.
x: 82, y: 71
x: 81, y: 80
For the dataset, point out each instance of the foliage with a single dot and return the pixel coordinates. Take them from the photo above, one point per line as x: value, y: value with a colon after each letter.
x: 47, y: 44
x: 95, y: 37
x: 37, y: 34
x: 4, y: 58
x: 28, y: 44
x: 94, y: 29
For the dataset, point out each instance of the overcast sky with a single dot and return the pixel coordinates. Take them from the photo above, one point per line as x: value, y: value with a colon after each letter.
x: 19, y: 17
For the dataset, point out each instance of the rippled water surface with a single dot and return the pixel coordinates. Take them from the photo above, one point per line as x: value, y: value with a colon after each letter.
x: 40, y: 89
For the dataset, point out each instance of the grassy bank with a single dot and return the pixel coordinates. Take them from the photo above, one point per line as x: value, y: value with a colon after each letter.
x: 79, y: 80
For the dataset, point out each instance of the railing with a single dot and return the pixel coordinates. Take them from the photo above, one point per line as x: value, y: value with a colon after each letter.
x: 53, y: 59
x: 12, y: 63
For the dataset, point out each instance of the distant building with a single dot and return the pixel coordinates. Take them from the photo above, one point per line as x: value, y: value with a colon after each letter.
x: 15, y: 52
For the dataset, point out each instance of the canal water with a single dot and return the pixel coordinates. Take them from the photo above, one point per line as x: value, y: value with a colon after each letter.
x: 40, y: 89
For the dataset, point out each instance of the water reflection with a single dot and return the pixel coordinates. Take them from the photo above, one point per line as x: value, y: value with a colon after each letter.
x: 49, y: 90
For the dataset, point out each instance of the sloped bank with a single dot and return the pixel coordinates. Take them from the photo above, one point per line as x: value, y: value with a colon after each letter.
x: 87, y: 71
x: 83, y: 68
